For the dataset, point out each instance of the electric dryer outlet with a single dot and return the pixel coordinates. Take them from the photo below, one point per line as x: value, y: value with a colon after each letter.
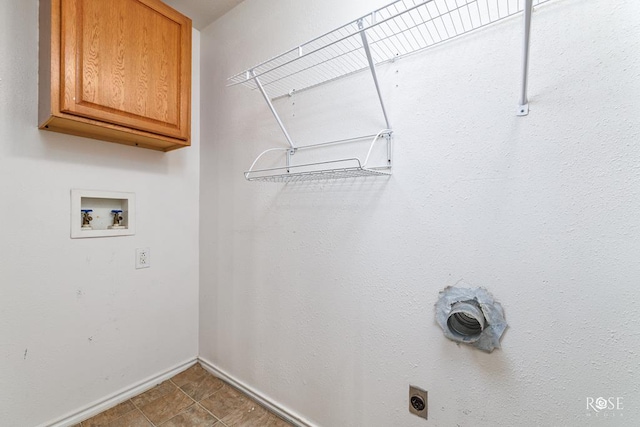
x: 418, y: 402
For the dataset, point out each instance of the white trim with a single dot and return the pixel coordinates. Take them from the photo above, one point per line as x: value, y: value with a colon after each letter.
x: 282, y: 412
x: 119, y: 397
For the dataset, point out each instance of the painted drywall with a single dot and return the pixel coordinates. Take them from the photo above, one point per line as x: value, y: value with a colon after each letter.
x: 320, y: 295
x: 77, y: 321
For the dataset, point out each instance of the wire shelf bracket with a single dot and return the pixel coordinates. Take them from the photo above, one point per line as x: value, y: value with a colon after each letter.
x: 401, y: 28
x: 523, y: 107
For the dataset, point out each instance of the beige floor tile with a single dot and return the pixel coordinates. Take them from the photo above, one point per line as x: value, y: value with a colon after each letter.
x: 226, y: 401
x: 166, y: 407
x: 234, y: 408
x: 132, y: 419
x: 202, y: 387
x: 194, y: 416
x: 109, y: 415
x: 191, y: 374
x: 155, y: 393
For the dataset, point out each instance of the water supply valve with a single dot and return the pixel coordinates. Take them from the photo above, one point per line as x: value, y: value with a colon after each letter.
x: 117, y: 219
x: 86, y: 218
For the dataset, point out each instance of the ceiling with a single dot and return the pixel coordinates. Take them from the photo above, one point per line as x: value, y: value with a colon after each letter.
x: 203, y: 12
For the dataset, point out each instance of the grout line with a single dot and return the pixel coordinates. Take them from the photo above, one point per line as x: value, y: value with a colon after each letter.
x: 192, y: 399
x: 145, y: 417
x: 174, y: 415
x: 135, y: 408
x: 226, y: 384
x: 198, y: 403
x: 218, y: 420
x: 140, y: 410
x: 213, y: 392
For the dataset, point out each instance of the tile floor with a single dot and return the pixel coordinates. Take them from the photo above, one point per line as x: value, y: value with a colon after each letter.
x: 193, y: 398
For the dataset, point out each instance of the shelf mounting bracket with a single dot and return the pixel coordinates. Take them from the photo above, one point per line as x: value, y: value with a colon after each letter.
x: 372, y: 67
x: 523, y: 108
x: 273, y: 111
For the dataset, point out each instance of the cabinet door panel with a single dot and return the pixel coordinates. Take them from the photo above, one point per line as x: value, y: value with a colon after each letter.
x: 127, y: 62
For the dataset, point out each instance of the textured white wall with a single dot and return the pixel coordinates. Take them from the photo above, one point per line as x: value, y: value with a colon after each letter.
x: 320, y: 296
x: 77, y: 321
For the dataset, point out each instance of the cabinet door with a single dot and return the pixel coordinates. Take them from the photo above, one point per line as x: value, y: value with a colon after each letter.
x: 127, y: 62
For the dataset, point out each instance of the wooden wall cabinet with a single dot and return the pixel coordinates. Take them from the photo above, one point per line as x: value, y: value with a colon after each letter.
x: 116, y: 70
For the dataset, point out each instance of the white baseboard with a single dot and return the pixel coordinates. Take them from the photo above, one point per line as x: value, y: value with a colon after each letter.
x: 282, y: 412
x: 119, y: 397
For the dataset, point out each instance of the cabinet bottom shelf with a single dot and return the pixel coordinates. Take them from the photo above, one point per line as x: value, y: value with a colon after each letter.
x: 111, y: 132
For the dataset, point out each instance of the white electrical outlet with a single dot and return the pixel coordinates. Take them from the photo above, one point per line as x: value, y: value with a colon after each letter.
x: 143, y: 258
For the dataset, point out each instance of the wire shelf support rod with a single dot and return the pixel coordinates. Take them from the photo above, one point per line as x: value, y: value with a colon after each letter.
x: 523, y: 108
x: 372, y: 66
x: 273, y: 111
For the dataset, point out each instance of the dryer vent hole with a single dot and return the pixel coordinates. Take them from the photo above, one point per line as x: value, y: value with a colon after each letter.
x: 466, y: 319
x: 464, y: 325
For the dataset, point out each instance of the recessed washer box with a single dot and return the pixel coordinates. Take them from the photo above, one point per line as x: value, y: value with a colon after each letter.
x: 102, y: 203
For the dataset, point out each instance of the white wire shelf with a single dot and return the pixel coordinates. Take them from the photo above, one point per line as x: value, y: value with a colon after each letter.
x: 401, y: 28
x: 336, y: 169
x: 333, y: 169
